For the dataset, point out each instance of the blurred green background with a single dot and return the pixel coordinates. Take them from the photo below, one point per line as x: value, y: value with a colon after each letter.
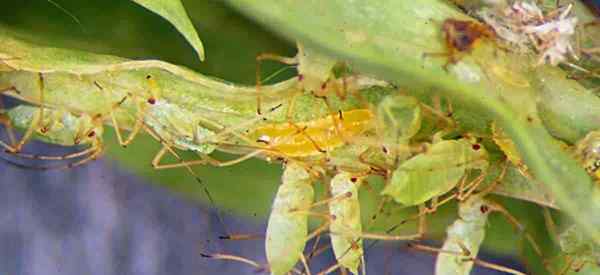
x: 231, y: 42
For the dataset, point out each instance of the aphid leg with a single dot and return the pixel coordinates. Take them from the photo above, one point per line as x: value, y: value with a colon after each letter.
x: 465, y: 253
x: 305, y: 265
x: 91, y: 153
x: 35, y: 122
x: 259, y: 59
x: 141, y: 109
x: 138, y: 122
x: 474, y: 185
x: 421, y: 230
x: 227, y: 257
x: 8, y: 127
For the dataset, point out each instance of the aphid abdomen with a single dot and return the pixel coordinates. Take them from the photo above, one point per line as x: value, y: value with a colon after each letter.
x: 436, y: 171
x: 60, y: 127
x: 346, y: 227
x: 309, y: 138
x: 466, y: 233
x: 287, y: 229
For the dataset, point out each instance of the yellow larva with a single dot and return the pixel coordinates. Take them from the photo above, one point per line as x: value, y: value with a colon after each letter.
x: 310, y: 138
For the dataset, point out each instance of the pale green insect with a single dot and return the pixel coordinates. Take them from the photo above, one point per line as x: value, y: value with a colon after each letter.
x: 346, y: 227
x: 287, y: 229
x: 436, y: 171
x: 61, y: 127
x: 464, y: 237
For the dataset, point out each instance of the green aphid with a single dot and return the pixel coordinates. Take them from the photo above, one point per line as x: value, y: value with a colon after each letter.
x: 287, y: 229
x: 57, y: 126
x: 436, y: 171
x: 464, y: 237
x: 346, y: 227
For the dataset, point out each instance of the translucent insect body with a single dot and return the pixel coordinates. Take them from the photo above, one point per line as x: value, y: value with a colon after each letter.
x: 317, y: 136
x: 287, y: 230
x: 346, y: 227
x: 464, y: 237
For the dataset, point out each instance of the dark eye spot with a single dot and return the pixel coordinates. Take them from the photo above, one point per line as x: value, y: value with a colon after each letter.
x: 476, y: 146
x: 484, y: 209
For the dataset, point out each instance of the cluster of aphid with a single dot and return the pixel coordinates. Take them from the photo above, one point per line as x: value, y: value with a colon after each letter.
x: 382, y: 137
x: 346, y: 146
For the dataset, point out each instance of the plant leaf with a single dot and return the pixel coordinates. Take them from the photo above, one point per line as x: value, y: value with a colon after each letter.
x: 174, y: 12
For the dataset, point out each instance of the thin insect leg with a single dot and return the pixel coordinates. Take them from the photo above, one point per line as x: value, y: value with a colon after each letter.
x: 137, y: 126
x: 221, y: 256
x: 259, y: 59
x: 232, y: 130
x: 330, y: 200
x: 422, y: 228
x: 169, y: 148
x: 319, y: 230
x: 5, y: 120
x: 159, y: 156
x: 36, y: 121
x: 79, y: 154
x: 497, y: 207
x: 450, y: 124
x: 305, y: 264
x: 93, y: 153
x: 462, y: 253
x: 242, y: 237
x: 314, y: 248
x: 245, y: 157
x: 496, y: 181
x: 302, y: 131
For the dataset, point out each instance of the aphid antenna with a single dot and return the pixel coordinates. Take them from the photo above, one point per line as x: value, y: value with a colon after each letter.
x: 68, y: 13
x: 259, y: 59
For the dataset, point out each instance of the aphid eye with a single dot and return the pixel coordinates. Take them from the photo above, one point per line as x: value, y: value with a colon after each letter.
x: 324, y: 85
x: 300, y: 77
x: 476, y: 146
x: 353, y: 179
x: 44, y: 130
x: 333, y: 217
x: 484, y: 209
x: 148, y: 77
x: 152, y: 100
x: 91, y: 134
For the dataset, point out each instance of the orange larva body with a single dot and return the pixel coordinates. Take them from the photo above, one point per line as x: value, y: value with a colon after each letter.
x: 310, y: 138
